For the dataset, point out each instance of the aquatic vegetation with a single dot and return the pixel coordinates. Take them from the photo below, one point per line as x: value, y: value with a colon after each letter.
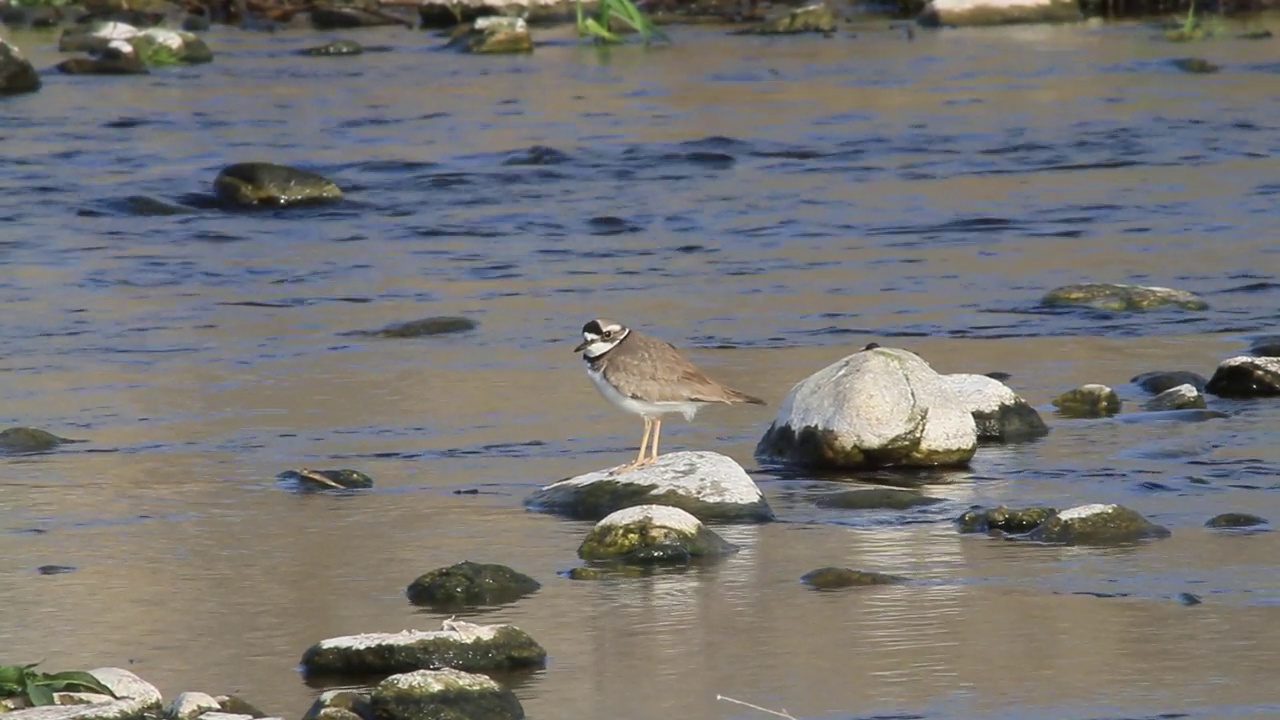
x: 38, y: 688
x: 1193, y: 28
x: 623, y: 11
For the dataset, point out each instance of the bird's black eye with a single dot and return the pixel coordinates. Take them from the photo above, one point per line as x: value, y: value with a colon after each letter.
x: 608, y: 334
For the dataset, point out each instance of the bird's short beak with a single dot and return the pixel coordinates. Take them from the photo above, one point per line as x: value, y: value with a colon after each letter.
x: 582, y: 346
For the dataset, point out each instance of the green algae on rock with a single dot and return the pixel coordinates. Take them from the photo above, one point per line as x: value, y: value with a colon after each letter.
x: 876, y: 499
x: 494, y: 34
x: 461, y: 645
x: 333, y: 49
x: 1235, y: 520
x: 812, y: 18
x: 17, y: 74
x: 345, y: 479
x: 1010, y: 521
x: 268, y: 184
x: 340, y: 705
x: 1110, y: 296
x: 652, y: 534
x: 838, y: 578
x: 445, y: 694
x: 1088, y: 401
x: 21, y: 440
x: 469, y: 584
x: 708, y: 485
x: 1097, y: 524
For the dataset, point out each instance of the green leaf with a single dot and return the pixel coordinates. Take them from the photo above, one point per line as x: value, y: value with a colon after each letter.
x: 39, y: 695
x: 11, y: 674
x: 76, y: 681
x: 596, y: 29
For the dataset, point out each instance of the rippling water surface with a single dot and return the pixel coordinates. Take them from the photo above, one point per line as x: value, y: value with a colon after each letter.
x: 771, y: 205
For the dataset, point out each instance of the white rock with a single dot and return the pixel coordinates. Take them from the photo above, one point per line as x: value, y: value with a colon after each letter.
x: 453, y: 630
x: 1083, y: 511
x: 123, y: 46
x: 115, y: 31
x: 134, y: 696
x: 1181, y: 397
x: 433, y: 681
x: 168, y: 38
x: 191, y: 705
x: 998, y: 12
x: 997, y: 410
x: 878, y: 401
x: 500, y: 23
x: 231, y: 716
x: 660, y: 515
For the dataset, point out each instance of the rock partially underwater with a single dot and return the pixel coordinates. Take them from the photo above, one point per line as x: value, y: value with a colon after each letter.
x: 1182, y: 397
x: 346, y: 479
x: 469, y: 584
x: 1096, y: 524
x: 1088, y: 401
x: 1158, y: 381
x: 494, y: 35
x: 461, y: 645
x: 1235, y: 521
x: 22, y: 440
x: 708, y: 485
x: 875, y: 499
x: 838, y: 578
x: 877, y: 407
x: 1246, y: 377
x: 970, y: 13
x: 815, y: 17
x: 424, y: 327
x: 998, y: 412
x: 1010, y: 521
x: 254, y: 184
x: 1120, y: 298
x: 17, y: 75
x: 652, y: 534
x: 445, y: 694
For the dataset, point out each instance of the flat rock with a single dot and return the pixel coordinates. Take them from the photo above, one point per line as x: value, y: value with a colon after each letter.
x: 969, y: 13
x: 875, y: 499
x: 333, y: 49
x: 711, y: 486
x: 17, y: 75
x: 20, y: 440
x: 461, y: 645
x: 998, y: 412
x: 1088, y: 401
x: 445, y: 694
x: 423, y: 327
x: 135, y: 699
x: 652, y: 534
x: 259, y: 183
x: 877, y: 407
x: 1182, y: 397
x: 1004, y: 520
x: 1235, y: 520
x: 1158, y: 381
x: 838, y: 578
x: 1246, y: 377
x: 340, y: 705
x: 191, y: 705
x: 1096, y: 524
x: 450, y: 13
x: 1110, y: 296
x: 343, y: 479
x: 469, y: 584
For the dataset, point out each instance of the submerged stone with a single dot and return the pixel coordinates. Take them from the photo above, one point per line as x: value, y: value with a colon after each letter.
x: 461, y: 645
x: 1158, y: 381
x: 468, y: 584
x: 969, y: 13
x: 812, y: 18
x: 876, y: 498
x: 1235, y: 520
x: 649, y: 534
x: 877, y: 407
x: 445, y: 694
x: 425, y: 327
x: 1183, y: 397
x: 837, y: 578
x: 260, y: 183
x: 17, y: 75
x: 1246, y: 377
x: 1195, y: 65
x: 1268, y: 346
x: 998, y: 412
x: 1003, y: 519
x: 1109, y: 296
x: 1088, y: 401
x: 1097, y: 524
x: 335, y: 48
x: 340, y: 705
x: 345, y: 479
x: 708, y: 485
x: 20, y: 440
x: 103, y: 66
x: 494, y: 34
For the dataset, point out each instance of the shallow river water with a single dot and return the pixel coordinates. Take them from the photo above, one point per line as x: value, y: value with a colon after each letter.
x: 769, y: 204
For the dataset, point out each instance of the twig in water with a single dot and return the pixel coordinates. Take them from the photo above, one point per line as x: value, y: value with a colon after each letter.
x: 782, y: 714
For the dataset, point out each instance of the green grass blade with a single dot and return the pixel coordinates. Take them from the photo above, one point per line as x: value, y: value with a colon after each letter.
x: 39, y: 695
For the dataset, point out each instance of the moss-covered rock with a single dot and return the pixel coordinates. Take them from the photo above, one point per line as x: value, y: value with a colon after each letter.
x: 1096, y: 525
x: 446, y: 694
x: 1158, y: 381
x: 461, y: 645
x: 236, y: 705
x: 838, y: 578
x: 494, y: 34
x: 20, y: 440
x: 1235, y: 520
x: 17, y: 75
x: 268, y: 184
x: 710, y: 486
x: 1183, y: 397
x: 1246, y: 377
x: 998, y: 412
x: 468, y: 584
x: 815, y: 17
x: 1009, y: 521
x: 1108, y: 296
x: 1088, y: 401
x: 876, y: 499
x: 345, y: 479
x: 424, y: 327
x: 340, y: 705
x: 877, y: 407
x: 191, y: 705
x: 334, y: 49
x: 652, y: 534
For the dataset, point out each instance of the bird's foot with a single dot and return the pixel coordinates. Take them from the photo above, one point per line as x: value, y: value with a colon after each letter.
x: 630, y: 466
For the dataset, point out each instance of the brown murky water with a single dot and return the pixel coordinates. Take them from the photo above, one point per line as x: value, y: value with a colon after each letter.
x: 769, y: 204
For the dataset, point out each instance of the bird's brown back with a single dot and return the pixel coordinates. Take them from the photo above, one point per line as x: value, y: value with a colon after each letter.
x: 653, y: 370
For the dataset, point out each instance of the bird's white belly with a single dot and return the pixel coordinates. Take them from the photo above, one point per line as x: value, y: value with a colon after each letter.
x: 641, y: 407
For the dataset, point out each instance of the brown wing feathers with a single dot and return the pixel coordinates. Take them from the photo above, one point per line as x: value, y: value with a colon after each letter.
x: 654, y: 370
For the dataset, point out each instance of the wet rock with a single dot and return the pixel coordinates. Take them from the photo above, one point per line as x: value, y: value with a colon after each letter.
x: 1189, y: 599
x: 426, y: 327
x: 1088, y: 401
x: 494, y: 35
x: 191, y: 705
x: 157, y: 47
x: 1255, y: 35
x: 468, y: 584
x: 94, y: 38
x: 260, y: 183
x: 998, y: 412
x: 1107, y: 296
x: 337, y: 47
x: 342, y: 17
x: 969, y: 13
x: 461, y: 645
x: 236, y: 705
x: 340, y: 705
x: 588, y: 573
x: 1096, y: 525
x: 1158, y: 381
x: 1246, y: 377
x: 838, y: 578
x: 135, y: 699
x: 451, y: 13
x: 877, y: 407
x: 812, y: 18
x: 652, y: 534
x: 1235, y: 520
x: 1003, y: 519
x: 20, y: 440
x: 1266, y: 346
x: 103, y: 66
x: 876, y: 499
x: 56, y: 570
x: 1195, y: 65
x: 709, y: 485
x: 1183, y: 397
x: 26, y: 16
x: 17, y: 75
x: 446, y: 694
x: 345, y: 479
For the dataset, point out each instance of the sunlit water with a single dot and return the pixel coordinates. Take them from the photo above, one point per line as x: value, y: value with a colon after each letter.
x: 769, y: 204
